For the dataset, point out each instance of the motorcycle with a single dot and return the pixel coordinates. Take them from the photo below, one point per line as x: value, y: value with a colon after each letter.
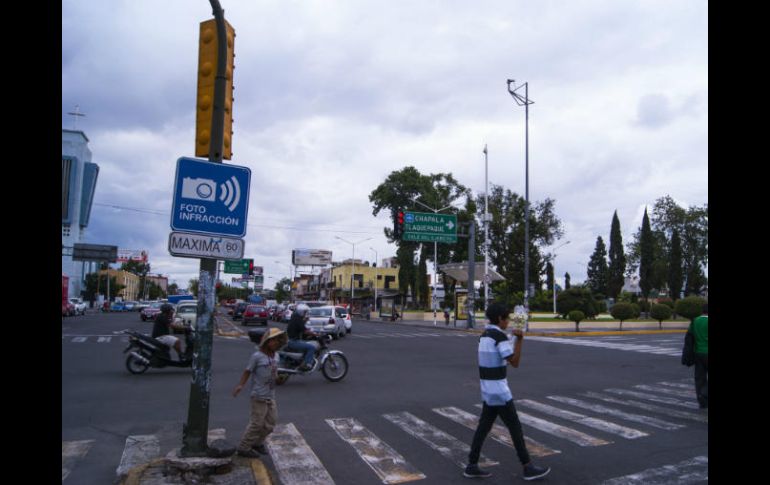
x: 332, y: 363
x: 145, y: 352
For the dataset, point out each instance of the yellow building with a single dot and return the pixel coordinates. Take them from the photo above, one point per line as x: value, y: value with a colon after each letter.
x: 334, y: 284
x: 130, y: 281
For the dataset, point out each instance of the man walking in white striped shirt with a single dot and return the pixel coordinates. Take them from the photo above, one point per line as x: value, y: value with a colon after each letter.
x: 495, y: 352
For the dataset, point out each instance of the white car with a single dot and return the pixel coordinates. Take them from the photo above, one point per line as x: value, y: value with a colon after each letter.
x: 327, y: 320
x: 80, y: 306
x: 186, y: 312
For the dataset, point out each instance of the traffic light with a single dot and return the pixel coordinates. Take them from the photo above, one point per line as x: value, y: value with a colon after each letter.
x: 251, y: 267
x: 398, y: 227
x: 207, y: 71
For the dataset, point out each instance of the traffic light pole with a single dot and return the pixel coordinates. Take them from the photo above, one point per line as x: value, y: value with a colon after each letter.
x: 195, y: 432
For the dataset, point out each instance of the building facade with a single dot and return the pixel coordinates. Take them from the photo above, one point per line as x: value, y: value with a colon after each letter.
x: 130, y: 282
x: 79, y: 176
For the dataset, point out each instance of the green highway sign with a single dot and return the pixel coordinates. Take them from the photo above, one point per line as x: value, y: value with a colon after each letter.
x: 239, y: 266
x: 429, y: 227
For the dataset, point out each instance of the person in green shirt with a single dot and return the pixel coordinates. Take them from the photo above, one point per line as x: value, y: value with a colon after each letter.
x: 700, y: 328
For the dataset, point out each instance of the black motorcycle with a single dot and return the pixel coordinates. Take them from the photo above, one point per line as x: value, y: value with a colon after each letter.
x: 145, y: 352
x: 332, y: 363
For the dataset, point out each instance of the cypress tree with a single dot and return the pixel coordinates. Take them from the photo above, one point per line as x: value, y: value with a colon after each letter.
x: 646, y: 256
x: 566, y: 281
x: 617, y: 263
x: 597, y: 269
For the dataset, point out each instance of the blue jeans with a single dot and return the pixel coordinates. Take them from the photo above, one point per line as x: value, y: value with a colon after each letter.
x: 301, y: 346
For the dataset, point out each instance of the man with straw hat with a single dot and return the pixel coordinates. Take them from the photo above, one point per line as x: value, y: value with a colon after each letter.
x: 263, y: 370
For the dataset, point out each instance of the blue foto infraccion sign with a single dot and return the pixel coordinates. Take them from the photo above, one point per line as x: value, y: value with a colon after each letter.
x: 210, y: 198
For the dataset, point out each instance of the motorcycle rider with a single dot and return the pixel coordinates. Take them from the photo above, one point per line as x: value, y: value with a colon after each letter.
x: 162, y: 329
x: 295, y: 330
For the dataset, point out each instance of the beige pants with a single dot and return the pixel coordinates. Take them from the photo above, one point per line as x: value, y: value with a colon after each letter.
x: 261, y: 423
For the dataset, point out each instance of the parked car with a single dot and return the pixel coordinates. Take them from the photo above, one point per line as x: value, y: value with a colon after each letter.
x: 151, y: 311
x: 238, y: 310
x: 348, y: 321
x: 80, y: 306
x: 118, y: 306
x: 141, y: 305
x: 327, y: 320
x: 256, y: 314
x: 130, y: 305
x: 67, y: 309
x: 186, y: 313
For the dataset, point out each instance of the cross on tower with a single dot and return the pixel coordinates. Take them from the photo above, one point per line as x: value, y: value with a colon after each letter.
x: 75, y: 116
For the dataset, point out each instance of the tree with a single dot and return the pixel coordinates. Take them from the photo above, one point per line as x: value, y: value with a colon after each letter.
x: 549, y: 276
x: 690, y: 307
x: 576, y: 316
x: 566, y: 281
x: 617, y: 260
x: 675, y: 274
x: 193, y: 286
x: 173, y: 288
x: 646, y: 244
x: 660, y: 313
x: 92, y: 284
x: 597, y: 269
x: 576, y: 298
x: 281, y: 292
x: 624, y: 311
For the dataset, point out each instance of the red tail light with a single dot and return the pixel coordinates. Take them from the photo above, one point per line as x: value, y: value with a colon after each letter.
x: 331, y: 320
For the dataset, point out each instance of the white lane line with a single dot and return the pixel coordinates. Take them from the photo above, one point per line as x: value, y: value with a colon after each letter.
x: 679, y: 385
x: 498, y: 433
x: 294, y: 460
x: 638, y: 418
x: 653, y: 397
x: 384, y: 460
x: 444, y: 443
x: 600, y: 424
x: 139, y: 449
x: 674, y: 413
x: 71, y: 453
x: 689, y: 471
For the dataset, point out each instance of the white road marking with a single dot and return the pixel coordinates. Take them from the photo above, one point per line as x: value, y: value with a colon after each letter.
x: 638, y: 418
x: 294, y: 460
x: 674, y: 413
x: 446, y: 444
x: 682, y: 473
x: 652, y: 397
x: 498, y: 433
x: 71, y: 453
x: 614, y: 345
x: 666, y: 390
x: 390, y: 466
x: 577, y: 437
x: 600, y: 424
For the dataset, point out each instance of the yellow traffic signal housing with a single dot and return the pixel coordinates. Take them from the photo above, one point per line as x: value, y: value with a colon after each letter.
x: 207, y: 71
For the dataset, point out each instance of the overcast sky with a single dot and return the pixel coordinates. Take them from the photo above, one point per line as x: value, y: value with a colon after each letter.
x: 332, y: 96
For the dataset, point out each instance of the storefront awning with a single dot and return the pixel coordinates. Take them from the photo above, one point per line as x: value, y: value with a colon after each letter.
x: 459, y: 272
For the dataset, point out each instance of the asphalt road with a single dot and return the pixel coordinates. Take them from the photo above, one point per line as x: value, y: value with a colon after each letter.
x: 404, y: 383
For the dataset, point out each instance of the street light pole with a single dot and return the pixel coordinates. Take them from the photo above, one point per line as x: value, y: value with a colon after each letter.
x: 524, y: 101
x: 376, y: 273
x: 554, y: 274
x: 352, y: 274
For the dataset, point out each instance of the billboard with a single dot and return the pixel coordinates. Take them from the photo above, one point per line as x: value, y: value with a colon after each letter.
x: 126, y: 255
x: 311, y: 257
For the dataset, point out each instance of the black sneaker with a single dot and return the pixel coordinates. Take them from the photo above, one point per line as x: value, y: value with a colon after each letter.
x: 261, y: 449
x: 248, y: 453
x: 473, y: 471
x: 533, y: 472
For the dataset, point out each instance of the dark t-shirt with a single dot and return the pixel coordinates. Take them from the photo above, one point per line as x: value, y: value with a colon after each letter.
x: 161, y: 326
x: 296, y: 327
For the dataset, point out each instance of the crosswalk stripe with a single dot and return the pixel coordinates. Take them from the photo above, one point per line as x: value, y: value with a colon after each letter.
x: 384, y: 460
x: 649, y: 407
x: 652, y: 397
x: 139, y: 449
x: 577, y: 437
x: 498, y: 433
x: 666, y: 390
x: 600, y: 424
x: 610, y: 345
x: 444, y: 443
x: 79, y: 340
x: 103, y: 339
x: 679, y: 385
x: 294, y: 460
x: 638, y: 418
x: 682, y: 473
x: 71, y: 453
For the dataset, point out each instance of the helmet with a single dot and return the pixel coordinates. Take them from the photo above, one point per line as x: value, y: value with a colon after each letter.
x: 302, y: 309
x: 166, y: 308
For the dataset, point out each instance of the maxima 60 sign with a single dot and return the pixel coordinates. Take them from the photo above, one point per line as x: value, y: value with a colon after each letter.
x: 210, y: 198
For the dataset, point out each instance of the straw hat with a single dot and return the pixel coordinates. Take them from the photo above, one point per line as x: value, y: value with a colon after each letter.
x: 272, y: 333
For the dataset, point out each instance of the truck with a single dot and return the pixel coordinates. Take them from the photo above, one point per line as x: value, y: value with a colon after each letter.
x: 174, y: 299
